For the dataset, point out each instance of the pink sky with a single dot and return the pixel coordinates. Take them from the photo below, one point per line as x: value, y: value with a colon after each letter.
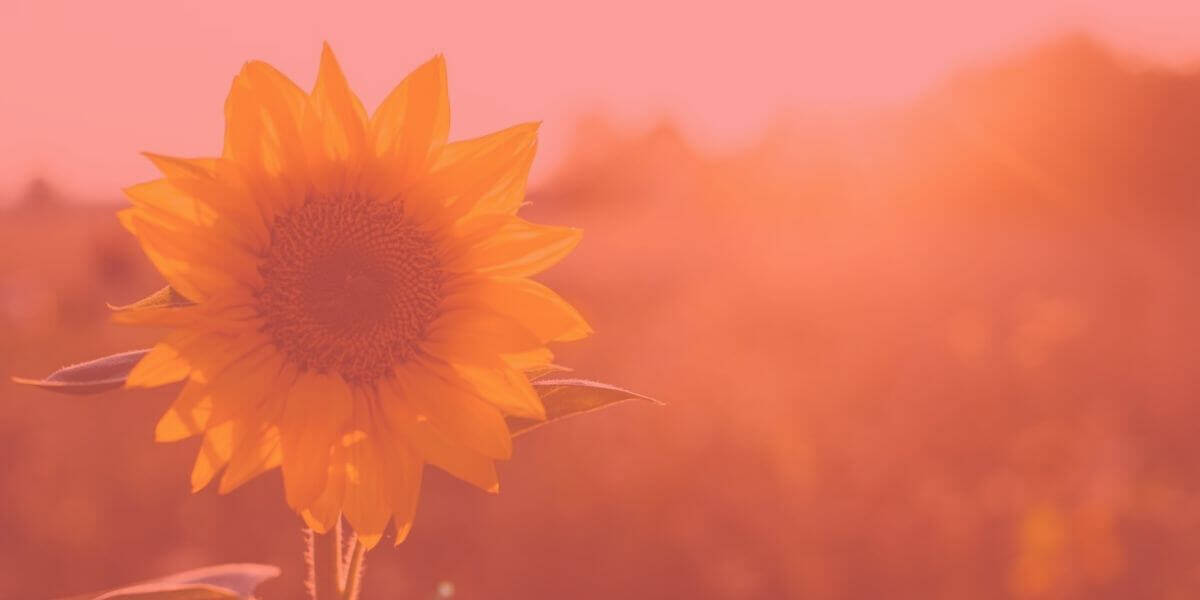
x: 87, y: 85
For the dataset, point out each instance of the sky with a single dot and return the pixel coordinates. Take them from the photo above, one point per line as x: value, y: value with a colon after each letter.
x: 89, y: 85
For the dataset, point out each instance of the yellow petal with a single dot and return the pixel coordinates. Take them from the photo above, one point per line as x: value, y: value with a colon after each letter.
x: 457, y: 413
x: 187, y: 416
x: 342, y: 127
x: 431, y: 445
x: 504, y: 387
x: 412, y: 123
x: 161, y: 201
x: 196, y: 270
x: 233, y: 313
x: 191, y: 351
x: 165, y: 362
x: 484, y: 175
x: 258, y: 452
x: 192, y: 411
x: 324, y: 512
x: 366, y: 505
x: 476, y: 337
x: 215, y: 451
x: 509, y: 246
x: 192, y: 283
x: 220, y: 350
x: 207, y: 192
x: 529, y: 360
x: 315, y: 413
x: 200, y: 246
x: 254, y: 385
x: 262, y: 121
x: 404, y: 482
x: 533, y: 305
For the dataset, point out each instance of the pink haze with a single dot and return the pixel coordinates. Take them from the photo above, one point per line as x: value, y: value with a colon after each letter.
x: 89, y: 85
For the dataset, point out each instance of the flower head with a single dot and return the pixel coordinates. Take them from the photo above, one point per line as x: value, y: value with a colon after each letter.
x: 360, y: 295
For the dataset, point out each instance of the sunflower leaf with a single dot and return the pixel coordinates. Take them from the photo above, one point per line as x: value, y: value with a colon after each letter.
x: 91, y: 377
x: 242, y: 578
x: 171, y: 591
x: 569, y: 397
x: 218, y: 582
x: 539, y: 372
x: 166, y: 297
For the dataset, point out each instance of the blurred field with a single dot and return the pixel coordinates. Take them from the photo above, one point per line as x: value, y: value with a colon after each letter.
x: 947, y: 350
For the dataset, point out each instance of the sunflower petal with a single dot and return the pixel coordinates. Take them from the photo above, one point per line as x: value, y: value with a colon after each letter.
x: 280, y: 104
x: 366, y: 504
x: 484, y: 175
x: 192, y: 410
x: 187, y: 416
x: 529, y: 360
x: 404, y: 469
x: 250, y: 386
x: 200, y: 247
x: 324, y: 512
x: 476, y: 337
x: 257, y: 453
x: 199, y: 273
x: 511, y: 247
x: 162, y: 199
x: 503, y: 387
x: 194, y: 284
x: 262, y: 120
x: 533, y: 305
x: 456, y: 412
x: 205, y: 192
x: 343, y: 120
x: 413, y: 122
x: 165, y: 362
x: 315, y: 413
x: 215, y: 451
x: 431, y: 445
x: 191, y: 351
x: 232, y: 314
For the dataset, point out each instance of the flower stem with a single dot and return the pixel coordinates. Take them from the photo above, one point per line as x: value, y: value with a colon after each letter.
x: 354, y: 570
x: 327, y: 564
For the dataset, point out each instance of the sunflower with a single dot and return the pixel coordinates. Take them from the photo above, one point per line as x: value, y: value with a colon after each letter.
x: 358, y: 295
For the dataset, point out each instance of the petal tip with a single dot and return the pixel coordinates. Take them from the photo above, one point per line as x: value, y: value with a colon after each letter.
x: 369, y: 541
x: 402, y: 531
x: 328, y: 59
x: 313, y: 523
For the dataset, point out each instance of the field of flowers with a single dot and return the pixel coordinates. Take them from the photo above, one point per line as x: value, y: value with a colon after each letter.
x: 944, y: 350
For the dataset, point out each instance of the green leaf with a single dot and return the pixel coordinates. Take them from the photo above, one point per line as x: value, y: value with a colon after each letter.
x: 91, y: 377
x: 235, y: 581
x: 167, y: 297
x: 569, y: 397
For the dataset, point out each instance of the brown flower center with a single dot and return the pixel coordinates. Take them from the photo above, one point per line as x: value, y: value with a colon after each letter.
x: 350, y: 286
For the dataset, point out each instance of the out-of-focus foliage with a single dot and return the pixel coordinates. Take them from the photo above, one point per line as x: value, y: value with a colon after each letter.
x: 947, y: 350
x: 218, y: 582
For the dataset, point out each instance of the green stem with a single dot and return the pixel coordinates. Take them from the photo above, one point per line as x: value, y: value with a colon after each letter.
x: 354, y: 570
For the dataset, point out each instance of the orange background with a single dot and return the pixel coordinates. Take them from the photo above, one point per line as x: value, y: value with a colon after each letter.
x: 921, y: 300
